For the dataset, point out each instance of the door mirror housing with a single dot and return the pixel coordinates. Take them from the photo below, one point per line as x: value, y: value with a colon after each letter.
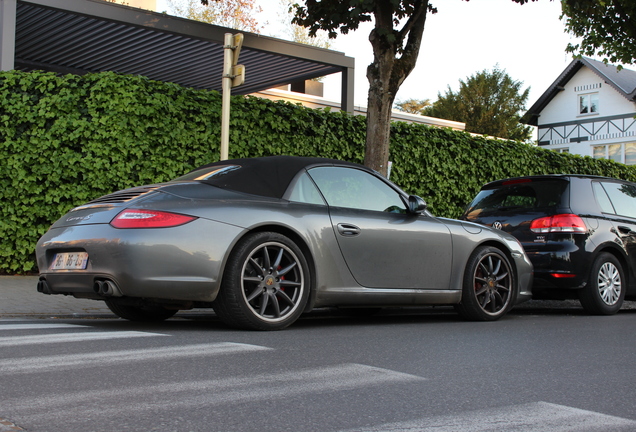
x: 417, y: 205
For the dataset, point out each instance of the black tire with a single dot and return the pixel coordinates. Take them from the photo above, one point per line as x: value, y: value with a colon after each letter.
x: 149, y: 313
x: 488, y: 290
x: 605, y: 290
x: 266, y: 283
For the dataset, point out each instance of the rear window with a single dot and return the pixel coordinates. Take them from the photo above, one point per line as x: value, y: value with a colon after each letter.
x: 209, y: 173
x: 527, y: 196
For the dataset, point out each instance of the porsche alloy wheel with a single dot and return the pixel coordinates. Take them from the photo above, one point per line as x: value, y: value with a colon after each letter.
x: 488, y: 289
x: 266, y: 284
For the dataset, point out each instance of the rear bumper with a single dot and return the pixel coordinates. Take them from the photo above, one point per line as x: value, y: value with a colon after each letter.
x: 561, y: 264
x: 180, y: 263
x: 559, y: 276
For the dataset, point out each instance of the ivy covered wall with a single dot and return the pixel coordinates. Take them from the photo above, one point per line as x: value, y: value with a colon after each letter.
x: 65, y: 140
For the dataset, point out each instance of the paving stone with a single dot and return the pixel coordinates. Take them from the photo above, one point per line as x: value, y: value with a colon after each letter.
x: 19, y: 298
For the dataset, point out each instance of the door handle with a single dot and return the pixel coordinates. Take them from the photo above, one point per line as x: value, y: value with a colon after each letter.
x: 348, y: 230
x: 625, y: 230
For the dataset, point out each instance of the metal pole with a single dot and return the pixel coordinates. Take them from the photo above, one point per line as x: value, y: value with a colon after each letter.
x: 7, y: 34
x: 227, y: 92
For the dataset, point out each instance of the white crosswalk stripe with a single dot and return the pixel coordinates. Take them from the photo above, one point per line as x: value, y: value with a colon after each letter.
x: 71, y: 337
x: 109, y: 358
x: 532, y: 417
x: 37, y: 326
x: 202, y: 393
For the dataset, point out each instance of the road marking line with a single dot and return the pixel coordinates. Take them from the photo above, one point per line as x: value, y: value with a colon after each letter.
x: 205, y: 393
x: 531, y: 417
x: 37, y: 326
x: 108, y: 358
x: 71, y: 337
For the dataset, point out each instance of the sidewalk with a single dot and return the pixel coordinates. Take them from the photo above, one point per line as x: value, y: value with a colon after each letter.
x: 19, y: 298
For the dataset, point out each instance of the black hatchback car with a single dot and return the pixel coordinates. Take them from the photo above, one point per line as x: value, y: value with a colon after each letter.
x: 578, y: 231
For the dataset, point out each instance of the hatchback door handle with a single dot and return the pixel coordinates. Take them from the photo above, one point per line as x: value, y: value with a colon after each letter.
x: 626, y: 230
x: 348, y: 230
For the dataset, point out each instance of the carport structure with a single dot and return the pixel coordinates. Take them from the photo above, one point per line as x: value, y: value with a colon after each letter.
x: 82, y: 36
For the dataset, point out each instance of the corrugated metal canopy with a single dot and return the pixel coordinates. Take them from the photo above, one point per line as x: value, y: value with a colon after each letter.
x: 81, y: 36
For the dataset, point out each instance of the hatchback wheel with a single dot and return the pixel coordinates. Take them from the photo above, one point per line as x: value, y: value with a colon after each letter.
x: 488, y: 289
x: 604, y: 292
x: 266, y: 283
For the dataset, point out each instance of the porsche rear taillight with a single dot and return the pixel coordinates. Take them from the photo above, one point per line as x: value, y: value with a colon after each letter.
x: 562, y: 223
x: 134, y: 218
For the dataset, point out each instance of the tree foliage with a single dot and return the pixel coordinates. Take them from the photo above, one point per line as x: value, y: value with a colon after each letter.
x: 607, y: 28
x: 298, y: 33
x: 489, y: 102
x: 413, y: 106
x: 395, y: 39
x: 236, y: 14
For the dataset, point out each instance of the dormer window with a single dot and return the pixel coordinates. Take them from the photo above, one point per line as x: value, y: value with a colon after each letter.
x: 588, y: 103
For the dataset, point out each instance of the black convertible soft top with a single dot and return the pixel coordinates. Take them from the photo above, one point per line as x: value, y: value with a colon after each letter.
x: 265, y: 176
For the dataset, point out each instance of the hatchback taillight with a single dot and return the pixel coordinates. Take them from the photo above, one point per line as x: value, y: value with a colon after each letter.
x: 134, y: 218
x: 562, y: 223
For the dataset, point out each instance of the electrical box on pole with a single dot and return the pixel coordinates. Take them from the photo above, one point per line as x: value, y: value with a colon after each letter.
x: 233, y: 76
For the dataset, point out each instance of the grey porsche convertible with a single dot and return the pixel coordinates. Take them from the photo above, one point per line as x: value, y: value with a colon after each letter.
x: 263, y: 240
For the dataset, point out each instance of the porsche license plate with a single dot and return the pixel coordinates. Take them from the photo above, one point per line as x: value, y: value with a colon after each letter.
x: 70, y: 261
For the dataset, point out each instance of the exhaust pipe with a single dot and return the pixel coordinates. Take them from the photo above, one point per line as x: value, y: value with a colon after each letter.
x: 97, y: 287
x: 43, y: 287
x: 106, y: 288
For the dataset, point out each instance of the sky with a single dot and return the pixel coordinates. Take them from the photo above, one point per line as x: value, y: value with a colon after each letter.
x: 527, y: 41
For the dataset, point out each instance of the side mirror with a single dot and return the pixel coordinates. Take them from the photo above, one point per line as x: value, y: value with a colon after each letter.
x: 416, y: 205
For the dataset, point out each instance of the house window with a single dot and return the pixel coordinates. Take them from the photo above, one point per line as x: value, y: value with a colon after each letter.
x: 588, y: 103
x: 630, y: 154
x: 625, y: 153
x: 562, y: 150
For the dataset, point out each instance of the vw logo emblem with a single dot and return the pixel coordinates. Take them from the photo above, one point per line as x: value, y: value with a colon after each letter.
x: 497, y: 225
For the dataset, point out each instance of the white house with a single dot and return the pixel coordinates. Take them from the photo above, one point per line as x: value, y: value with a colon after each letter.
x: 589, y: 110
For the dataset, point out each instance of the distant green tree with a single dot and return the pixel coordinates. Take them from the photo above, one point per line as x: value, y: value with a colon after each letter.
x: 489, y: 102
x: 607, y: 28
x: 413, y: 106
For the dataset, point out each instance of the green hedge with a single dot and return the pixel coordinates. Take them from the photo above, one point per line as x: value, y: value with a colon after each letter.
x: 65, y: 140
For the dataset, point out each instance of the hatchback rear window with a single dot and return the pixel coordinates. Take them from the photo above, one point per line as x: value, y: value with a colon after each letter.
x: 526, y: 196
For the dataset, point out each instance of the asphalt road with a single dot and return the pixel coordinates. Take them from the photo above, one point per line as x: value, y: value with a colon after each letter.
x: 538, y: 369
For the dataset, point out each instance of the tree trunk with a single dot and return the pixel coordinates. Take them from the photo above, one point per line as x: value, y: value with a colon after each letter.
x: 393, y: 61
x: 379, y: 107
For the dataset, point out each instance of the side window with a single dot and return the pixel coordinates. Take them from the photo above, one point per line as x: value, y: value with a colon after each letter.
x: 623, y: 198
x: 353, y: 188
x: 602, y: 199
x: 305, y: 191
